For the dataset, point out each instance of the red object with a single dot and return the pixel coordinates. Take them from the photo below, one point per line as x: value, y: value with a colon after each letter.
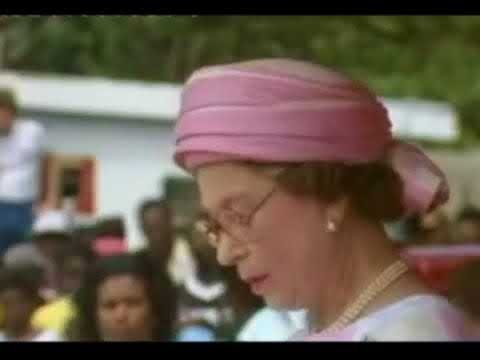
x: 436, y: 264
x: 86, y: 197
x: 109, y: 245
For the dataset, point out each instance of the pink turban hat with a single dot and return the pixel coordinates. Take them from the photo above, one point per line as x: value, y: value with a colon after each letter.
x: 280, y: 110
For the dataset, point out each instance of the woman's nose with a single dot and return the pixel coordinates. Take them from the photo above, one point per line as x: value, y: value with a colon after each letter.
x: 230, y: 251
x: 121, y: 313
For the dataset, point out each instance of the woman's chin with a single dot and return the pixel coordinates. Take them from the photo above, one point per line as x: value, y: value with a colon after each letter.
x: 280, y: 303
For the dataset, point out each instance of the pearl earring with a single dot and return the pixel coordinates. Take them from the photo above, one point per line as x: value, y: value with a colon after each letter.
x: 331, y: 227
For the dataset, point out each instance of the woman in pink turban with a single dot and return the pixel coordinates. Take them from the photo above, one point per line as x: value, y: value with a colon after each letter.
x: 297, y: 171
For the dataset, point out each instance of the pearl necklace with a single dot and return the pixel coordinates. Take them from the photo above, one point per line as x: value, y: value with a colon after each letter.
x: 385, y: 279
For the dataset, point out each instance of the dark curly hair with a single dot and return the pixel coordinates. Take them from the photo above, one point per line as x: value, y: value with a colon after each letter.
x: 157, y: 203
x: 25, y: 278
x: 161, y: 292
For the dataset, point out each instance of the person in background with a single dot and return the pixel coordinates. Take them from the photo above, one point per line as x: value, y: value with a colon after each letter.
x: 465, y: 292
x: 468, y: 226
x: 155, y: 220
x: 169, y: 251
x: 85, y: 234
x: 74, y: 263
x: 122, y: 299
x: 49, y: 238
x: 20, y: 297
x: 21, y: 153
x: 433, y: 229
x: 75, y: 260
x: 203, y: 296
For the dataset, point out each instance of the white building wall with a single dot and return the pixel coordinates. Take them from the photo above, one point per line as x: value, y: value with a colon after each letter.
x: 132, y: 158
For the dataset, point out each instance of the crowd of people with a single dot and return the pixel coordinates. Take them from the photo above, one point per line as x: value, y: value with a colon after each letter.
x: 61, y: 280
x: 83, y: 284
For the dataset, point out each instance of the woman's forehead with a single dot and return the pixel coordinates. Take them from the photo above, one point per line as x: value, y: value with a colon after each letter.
x: 122, y: 279
x: 121, y: 284
x: 227, y: 181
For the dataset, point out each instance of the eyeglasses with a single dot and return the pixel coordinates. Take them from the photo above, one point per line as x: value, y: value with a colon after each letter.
x: 231, y: 222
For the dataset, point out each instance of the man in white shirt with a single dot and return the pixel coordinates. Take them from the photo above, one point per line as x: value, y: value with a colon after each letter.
x: 21, y: 151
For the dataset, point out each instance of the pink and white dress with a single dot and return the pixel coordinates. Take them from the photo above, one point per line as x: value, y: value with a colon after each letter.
x: 416, y: 318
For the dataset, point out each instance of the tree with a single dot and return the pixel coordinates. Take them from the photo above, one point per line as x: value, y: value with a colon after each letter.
x: 432, y: 57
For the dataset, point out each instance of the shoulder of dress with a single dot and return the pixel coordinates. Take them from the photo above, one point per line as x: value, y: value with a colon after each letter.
x: 414, y: 324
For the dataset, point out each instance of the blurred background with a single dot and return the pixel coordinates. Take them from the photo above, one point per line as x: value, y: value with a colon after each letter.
x: 97, y: 99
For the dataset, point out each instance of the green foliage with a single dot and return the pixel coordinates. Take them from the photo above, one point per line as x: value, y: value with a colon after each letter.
x: 433, y: 57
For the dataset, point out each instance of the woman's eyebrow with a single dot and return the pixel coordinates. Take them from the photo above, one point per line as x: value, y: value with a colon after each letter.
x: 223, y: 204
